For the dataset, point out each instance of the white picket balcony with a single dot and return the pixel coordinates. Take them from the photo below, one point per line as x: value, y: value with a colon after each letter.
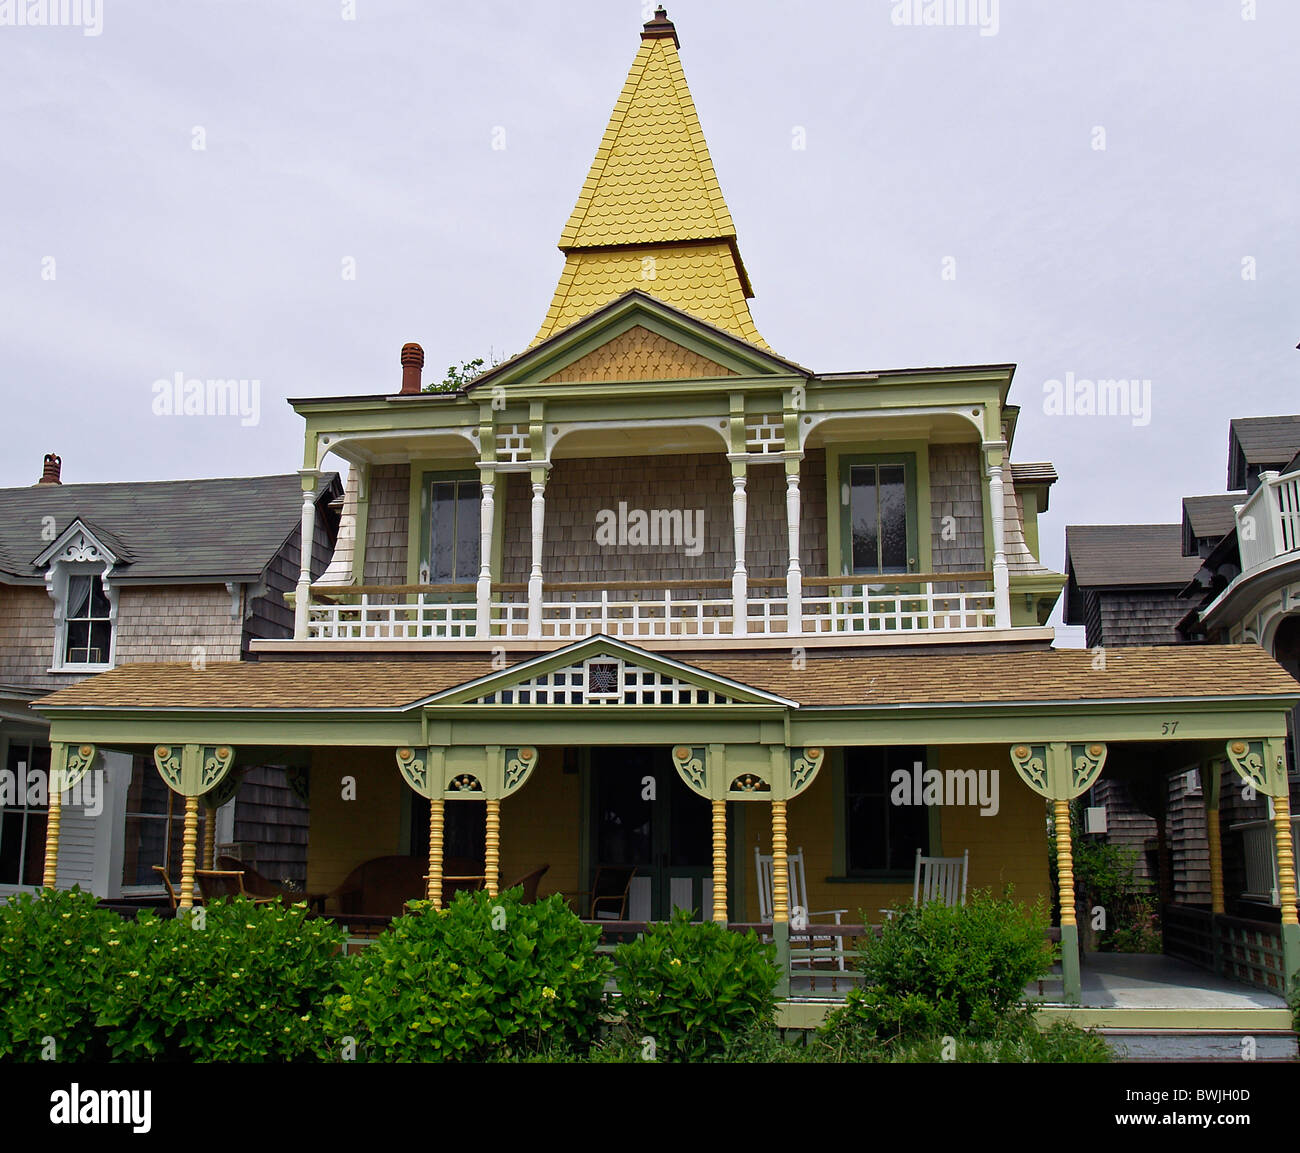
x: 1268, y: 524
x: 849, y: 606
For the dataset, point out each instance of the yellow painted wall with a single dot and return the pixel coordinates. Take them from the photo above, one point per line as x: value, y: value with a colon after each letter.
x: 342, y: 834
x: 540, y: 825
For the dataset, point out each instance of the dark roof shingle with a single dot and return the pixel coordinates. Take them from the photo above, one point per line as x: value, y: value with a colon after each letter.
x: 1127, y: 555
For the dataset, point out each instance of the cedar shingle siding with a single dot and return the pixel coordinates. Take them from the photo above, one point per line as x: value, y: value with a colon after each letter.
x: 1138, y: 617
x: 955, y: 490
x: 386, y: 526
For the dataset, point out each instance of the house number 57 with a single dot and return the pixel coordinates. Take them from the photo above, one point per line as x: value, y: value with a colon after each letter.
x: 1168, y: 728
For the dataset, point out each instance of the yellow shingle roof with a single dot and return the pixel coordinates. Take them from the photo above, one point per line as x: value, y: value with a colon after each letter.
x: 651, y: 213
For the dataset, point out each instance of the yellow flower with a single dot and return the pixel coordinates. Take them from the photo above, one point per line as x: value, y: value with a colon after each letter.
x: 674, y: 961
x: 134, y: 973
x: 548, y: 993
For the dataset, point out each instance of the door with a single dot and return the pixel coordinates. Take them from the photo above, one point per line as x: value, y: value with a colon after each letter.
x: 644, y: 817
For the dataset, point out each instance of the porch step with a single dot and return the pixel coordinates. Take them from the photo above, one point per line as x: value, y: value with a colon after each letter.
x: 1223, y: 1045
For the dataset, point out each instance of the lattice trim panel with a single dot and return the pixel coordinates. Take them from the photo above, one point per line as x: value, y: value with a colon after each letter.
x: 603, y: 682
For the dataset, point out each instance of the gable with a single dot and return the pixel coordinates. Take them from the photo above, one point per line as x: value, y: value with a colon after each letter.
x: 639, y: 354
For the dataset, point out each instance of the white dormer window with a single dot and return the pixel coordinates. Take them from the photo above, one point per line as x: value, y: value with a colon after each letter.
x: 79, y: 578
x: 88, y: 625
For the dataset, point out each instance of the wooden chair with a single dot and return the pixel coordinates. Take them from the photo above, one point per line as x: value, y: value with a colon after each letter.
x: 529, y: 883
x: 217, y: 883
x: 825, y: 948
x: 940, y: 879
x: 380, y: 886
x: 255, y: 884
x: 609, y: 892
x: 167, y: 884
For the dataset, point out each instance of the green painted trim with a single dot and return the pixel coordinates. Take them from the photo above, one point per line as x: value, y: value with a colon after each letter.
x: 914, y: 455
x: 781, y: 938
x: 1070, y: 976
x: 1291, y: 958
x: 362, y: 528
x: 418, y: 511
x: 1029, y: 508
x: 1086, y: 1017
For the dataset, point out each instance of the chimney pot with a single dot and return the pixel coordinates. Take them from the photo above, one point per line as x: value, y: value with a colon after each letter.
x: 412, y: 367
x: 660, y: 28
x: 50, y: 472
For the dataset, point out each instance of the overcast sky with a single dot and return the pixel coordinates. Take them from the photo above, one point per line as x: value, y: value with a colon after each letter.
x: 1097, y: 187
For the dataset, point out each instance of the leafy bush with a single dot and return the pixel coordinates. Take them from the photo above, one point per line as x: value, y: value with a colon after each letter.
x: 936, y: 970
x: 1014, y: 1040
x: 244, y: 987
x: 691, y: 986
x: 54, y: 948
x: 490, y: 977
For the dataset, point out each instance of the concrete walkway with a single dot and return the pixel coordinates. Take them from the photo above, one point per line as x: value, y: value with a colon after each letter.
x: 1152, y: 981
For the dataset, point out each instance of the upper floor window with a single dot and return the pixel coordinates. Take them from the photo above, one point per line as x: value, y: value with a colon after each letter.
x: 453, y: 528
x: 879, y: 510
x: 23, y: 813
x: 88, y: 624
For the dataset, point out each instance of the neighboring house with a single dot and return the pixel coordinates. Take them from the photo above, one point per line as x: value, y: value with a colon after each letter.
x: 650, y: 598
x: 98, y: 576
x: 1228, y: 574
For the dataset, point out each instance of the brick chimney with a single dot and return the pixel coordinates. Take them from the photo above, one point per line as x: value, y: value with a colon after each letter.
x: 50, y: 473
x: 412, y: 366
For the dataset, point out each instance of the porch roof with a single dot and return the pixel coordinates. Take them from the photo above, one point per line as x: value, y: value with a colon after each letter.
x: 862, y: 680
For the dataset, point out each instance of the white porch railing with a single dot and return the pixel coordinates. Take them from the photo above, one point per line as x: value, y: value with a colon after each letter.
x: 1268, y: 524
x: 672, y: 609
x: 1261, y: 858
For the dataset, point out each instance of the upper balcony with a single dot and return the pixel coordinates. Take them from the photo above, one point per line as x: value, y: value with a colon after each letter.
x: 648, y: 477
x: 1268, y: 524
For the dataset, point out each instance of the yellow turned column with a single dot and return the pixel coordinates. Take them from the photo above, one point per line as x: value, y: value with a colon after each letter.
x: 492, y: 846
x: 1064, y: 862
x: 209, y: 839
x: 52, y: 821
x: 434, y: 892
x: 189, y: 846
x: 1285, y: 858
x: 720, y: 862
x: 780, y: 866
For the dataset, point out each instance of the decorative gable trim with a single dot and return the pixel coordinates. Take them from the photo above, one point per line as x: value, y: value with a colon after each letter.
x: 78, y: 544
x: 639, y: 354
x: 603, y: 671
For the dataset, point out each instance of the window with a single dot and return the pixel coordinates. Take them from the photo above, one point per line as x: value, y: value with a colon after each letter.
x: 88, y: 625
x: 155, y: 827
x: 22, y: 824
x: 453, y: 529
x: 881, y: 837
x: 878, y: 525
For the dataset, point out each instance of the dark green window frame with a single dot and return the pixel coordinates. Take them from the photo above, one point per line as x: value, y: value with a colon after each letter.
x: 428, y: 482
x: 907, y: 461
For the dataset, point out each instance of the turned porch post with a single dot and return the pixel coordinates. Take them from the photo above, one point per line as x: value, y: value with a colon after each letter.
x: 794, y: 573
x: 535, y: 574
x: 302, y: 594
x: 739, y: 575
x: 720, y: 861
x: 433, y: 890
x: 995, y: 455
x: 492, y: 846
x: 483, y: 592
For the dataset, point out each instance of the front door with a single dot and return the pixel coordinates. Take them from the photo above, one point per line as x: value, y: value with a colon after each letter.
x: 644, y: 817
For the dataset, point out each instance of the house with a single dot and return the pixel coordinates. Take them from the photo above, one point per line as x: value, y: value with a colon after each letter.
x: 652, y: 597
x: 102, y: 576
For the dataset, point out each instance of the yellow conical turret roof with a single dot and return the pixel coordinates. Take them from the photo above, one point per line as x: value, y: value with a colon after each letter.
x: 651, y: 214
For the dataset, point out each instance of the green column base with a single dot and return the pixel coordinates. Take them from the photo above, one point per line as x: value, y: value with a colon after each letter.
x: 781, y: 936
x: 1291, y: 958
x: 1070, y: 963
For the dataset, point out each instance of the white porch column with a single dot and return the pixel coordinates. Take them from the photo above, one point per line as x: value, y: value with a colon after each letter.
x: 302, y: 597
x: 794, y: 574
x: 740, y: 575
x: 997, y: 510
x: 535, y: 575
x: 483, y: 593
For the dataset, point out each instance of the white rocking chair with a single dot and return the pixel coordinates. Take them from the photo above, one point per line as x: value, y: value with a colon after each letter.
x: 938, y: 879
x: 833, y: 949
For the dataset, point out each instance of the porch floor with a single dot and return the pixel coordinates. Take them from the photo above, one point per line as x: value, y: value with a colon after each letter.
x: 1154, y: 981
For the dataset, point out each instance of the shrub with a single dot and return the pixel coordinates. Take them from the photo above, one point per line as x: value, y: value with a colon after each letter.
x: 936, y: 970
x: 54, y: 948
x: 1014, y: 1040
x: 691, y: 986
x: 488, y: 978
x: 244, y: 987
